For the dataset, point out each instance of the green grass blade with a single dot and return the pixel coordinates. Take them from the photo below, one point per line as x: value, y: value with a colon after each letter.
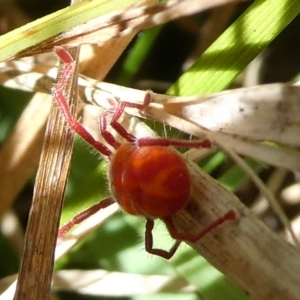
x: 210, y: 282
x: 239, y: 45
x: 44, y: 28
x: 137, y: 55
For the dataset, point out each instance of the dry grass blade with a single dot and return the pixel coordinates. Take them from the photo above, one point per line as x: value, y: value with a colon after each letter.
x: 260, y: 113
x: 35, y: 274
x: 236, y: 247
x: 240, y: 118
x: 92, y: 66
x: 126, y: 21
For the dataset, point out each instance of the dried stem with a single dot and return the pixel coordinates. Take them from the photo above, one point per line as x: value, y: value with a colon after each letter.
x: 35, y: 274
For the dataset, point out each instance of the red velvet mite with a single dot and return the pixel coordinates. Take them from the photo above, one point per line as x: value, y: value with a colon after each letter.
x: 147, y: 177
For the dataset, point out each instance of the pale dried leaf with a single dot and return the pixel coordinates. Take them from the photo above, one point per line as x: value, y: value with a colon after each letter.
x: 261, y: 113
x: 240, y: 119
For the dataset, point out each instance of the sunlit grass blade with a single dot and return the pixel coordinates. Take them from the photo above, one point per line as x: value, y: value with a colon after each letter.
x: 237, y: 47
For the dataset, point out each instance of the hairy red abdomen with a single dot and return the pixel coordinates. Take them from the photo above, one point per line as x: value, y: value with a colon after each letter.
x: 149, y: 181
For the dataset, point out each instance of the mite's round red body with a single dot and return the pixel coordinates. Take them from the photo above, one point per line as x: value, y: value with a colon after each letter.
x: 149, y: 181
